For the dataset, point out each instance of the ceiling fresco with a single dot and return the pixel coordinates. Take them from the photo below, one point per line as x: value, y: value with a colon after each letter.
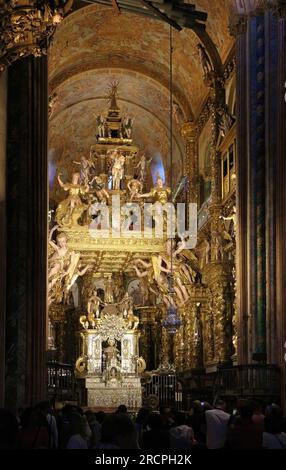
x: 93, y: 47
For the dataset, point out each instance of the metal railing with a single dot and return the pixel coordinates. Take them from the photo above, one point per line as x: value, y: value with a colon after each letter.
x: 248, y: 381
x: 163, y: 390
x: 61, y: 381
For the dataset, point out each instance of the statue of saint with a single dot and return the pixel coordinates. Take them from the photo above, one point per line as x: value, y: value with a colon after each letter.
x: 117, y: 170
x: 126, y: 304
x: 226, y: 120
x: 232, y: 218
x: 93, y: 306
x: 111, y: 353
x: 127, y: 127
x: 101, y: 123
x: 142, y: 165
x: 108, y: 291
x: 205, y: 256
x: 86, y: 166
x: 67, y: 207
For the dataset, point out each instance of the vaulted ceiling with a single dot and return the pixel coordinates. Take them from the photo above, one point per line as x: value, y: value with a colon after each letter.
x: 93, y: 46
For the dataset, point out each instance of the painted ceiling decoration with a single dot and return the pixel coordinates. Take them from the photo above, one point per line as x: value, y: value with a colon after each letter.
x: 95, y: 45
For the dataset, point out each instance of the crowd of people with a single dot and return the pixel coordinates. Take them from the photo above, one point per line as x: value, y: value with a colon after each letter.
x: 250, y: 425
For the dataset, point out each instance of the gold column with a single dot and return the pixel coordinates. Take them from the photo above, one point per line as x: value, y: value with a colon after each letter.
x: 219, y: 279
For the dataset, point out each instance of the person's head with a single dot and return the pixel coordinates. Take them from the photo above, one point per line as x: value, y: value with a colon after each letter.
x: 90, y: 416
x: 196, y: 407
x: 77, y: 424
x: 118, y: 430
x: 111, y: 342
x: 274, y: 410
x: 122, y: 409
x: 155, y: 421
x: 100, y: 416
x: 220, y: 405
x: 44, y: 407
x: 246, y: 410
x: 62, y: 240
x: 273, y: 424
x: 142, y: 415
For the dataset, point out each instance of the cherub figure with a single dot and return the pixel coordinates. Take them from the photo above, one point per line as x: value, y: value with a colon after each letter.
x: 135, y: 188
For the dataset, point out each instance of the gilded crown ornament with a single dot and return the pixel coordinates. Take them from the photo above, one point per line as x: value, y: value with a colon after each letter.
x: 26, y: 27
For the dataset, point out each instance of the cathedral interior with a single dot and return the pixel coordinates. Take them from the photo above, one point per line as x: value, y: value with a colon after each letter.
x: 114, y: 115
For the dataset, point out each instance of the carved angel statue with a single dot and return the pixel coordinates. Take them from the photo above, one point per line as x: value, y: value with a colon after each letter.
x: 182, y: 274
x: 61, y: 253
x: 157, y: 281
x: 71, y: 209
x: 62, y: 268
x: 205, y: 60
x: 74, y: 272
x: 135, y: 188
